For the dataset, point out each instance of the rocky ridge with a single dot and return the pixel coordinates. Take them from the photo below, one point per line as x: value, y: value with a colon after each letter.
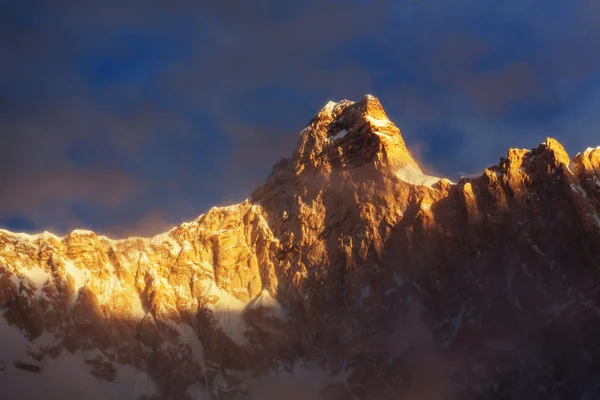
x: 349, y: 268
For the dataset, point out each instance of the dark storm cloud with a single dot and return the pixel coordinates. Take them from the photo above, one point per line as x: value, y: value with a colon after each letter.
x: 121, y: 116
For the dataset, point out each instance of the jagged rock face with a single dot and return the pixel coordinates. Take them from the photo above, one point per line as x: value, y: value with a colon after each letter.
x: 348, y: 274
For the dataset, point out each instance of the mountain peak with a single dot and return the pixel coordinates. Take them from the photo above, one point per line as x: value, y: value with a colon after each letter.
x: 349, y: 133
x: 372, y: 106
x: 331, y: 110
x: 369, y: 105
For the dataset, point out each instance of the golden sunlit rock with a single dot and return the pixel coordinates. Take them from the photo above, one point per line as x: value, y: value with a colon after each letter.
x: 323, y: 265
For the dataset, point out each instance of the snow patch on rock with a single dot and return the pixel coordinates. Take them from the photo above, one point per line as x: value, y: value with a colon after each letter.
x: 31, y: 238
x: 382, y: 135
x: 380, y: 122
x: 339, y: 135
x: 265, y: 300
x: 188, y: 336
x: 166, y: 238
x: 588, y: 150
x: 398, y: 279
x: 456, y: 323
x: 137, y: 309
x: 579, y: 189
x: 329, y: 106
x: 35, y: 276
x: 411, y: 175
x: 78, y: 276
x: 227, y: 311
x: 365, y: 292
x: 83, y: 232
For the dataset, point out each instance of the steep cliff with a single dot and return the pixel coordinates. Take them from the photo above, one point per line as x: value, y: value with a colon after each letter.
x: 348, y: 274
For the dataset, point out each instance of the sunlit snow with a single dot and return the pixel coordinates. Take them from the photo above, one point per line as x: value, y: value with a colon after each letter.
x: 35, y: 275
x: 329, y: 106
x: 77, y: 274
x: 227, y: 312
x: 409, y: 174
x: 378, y: 122
x: 166, y: 237
x: 82, y: 232
x: 25, y: 236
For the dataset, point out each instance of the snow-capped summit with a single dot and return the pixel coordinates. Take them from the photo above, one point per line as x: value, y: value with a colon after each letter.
x: 350, y: 134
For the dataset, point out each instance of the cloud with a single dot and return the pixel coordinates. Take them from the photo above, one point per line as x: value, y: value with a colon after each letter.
x: 257, y: 149
x: 80, y: 152
x: 496, y: 90
x: 579, y: 127
x: 46, y: 198
x: 193, y: 102
x: 108, y: 187
x: 151, y: 223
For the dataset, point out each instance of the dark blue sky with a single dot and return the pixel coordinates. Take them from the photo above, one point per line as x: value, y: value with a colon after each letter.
x: 128, y: 117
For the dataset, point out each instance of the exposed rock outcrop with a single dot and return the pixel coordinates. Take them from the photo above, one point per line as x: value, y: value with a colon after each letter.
x: 349, y: 263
